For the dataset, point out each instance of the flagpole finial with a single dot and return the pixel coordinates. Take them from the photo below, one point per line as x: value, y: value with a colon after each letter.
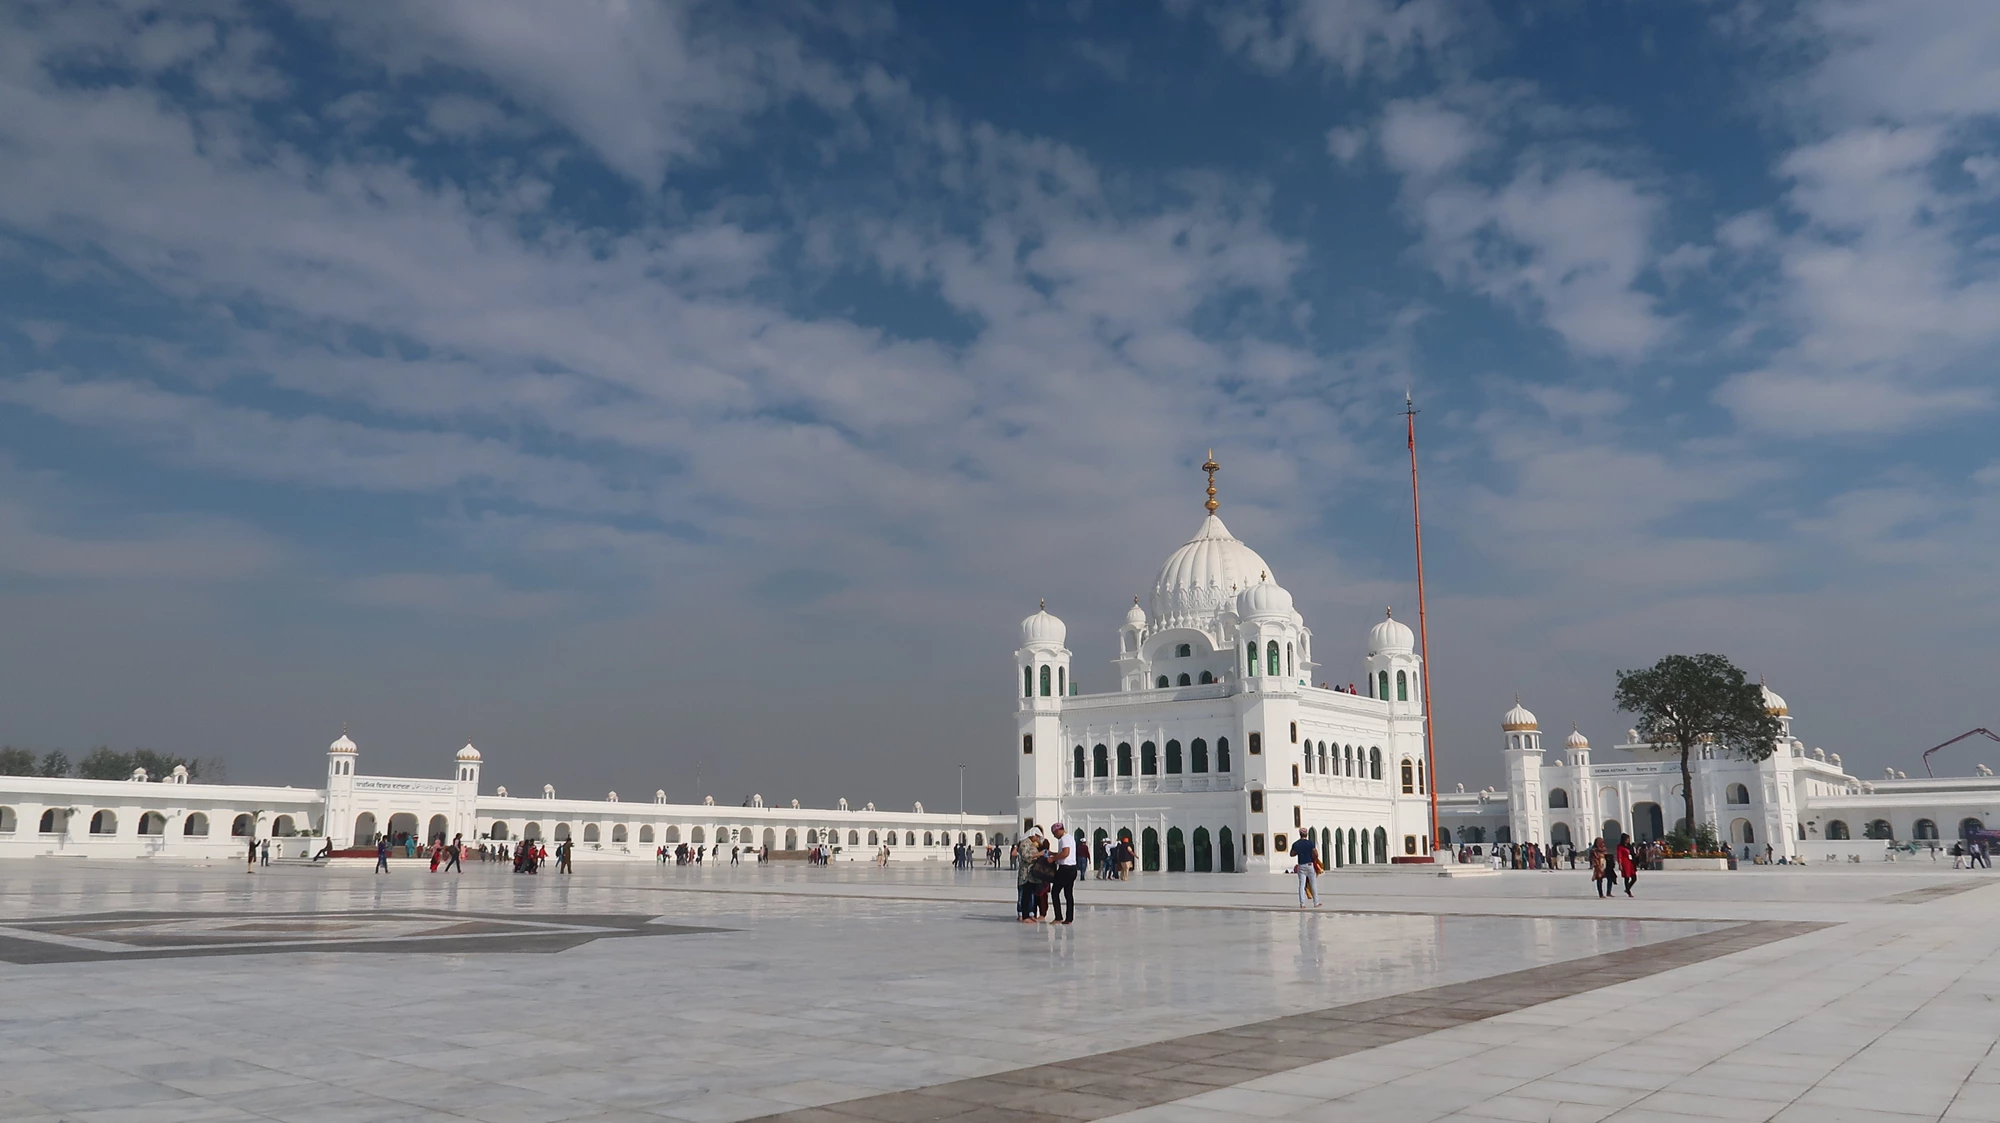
x: 1211, y: 467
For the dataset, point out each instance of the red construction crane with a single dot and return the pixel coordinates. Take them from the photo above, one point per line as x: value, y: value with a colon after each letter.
x: 1988, y: 733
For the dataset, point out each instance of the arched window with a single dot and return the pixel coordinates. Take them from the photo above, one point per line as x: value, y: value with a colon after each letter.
x: 1402, y: 687
x: 1222, y: 754
x: 196, y: 826
x: 1339, y: 851
x: 1375, y: 763
x: 1173, y: 758
x: 978, y: 838
x: 1062, y: 681
x: 927, y: 839
x: 1322, y: 770
x: 1078, y: 769
x: 1046, y: 685
x: 1925, y: 829
x: 1162, y: 682
x: 1736, y: 793
x: 1838, y: 830
x: 104, y: 822
x: 1100, y: 761
x: 244, y: 825
x: 1347, y: 757
x: 1558, y: 834
x: 498, y: 831
x: 281, y: 827
x: 152, y: 822
x: 1204, y: 851
x: 1381, y: 845
x: 874, y: 838
x: 1027, y: 682
x: 1385, y: 686
x: 1198, y: 750
x: 1271, y: 658
x: 563, y: 834
x: 1184, y: 680
x: 1364, y: 847
x: 1967, y: 826
x: 645, y: 834
x: 1176, y: 851
x: 1149, y: 850
x: 1124, y: 758
x: 1184, y: 650
x: 1558, y: 798
x: 1149, y: 759
x: 1225, y: 851
x: 618, y: 834
x: 1295, y: 777
x: 1253, y: 656
x: 533, y: 833
x: 1409, y: 777
x: 909, y: 838
x: 1207, y: 677
x: 1420, y: 776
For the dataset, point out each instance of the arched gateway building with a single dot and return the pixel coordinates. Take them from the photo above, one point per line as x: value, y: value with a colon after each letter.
x: 1216, y: 750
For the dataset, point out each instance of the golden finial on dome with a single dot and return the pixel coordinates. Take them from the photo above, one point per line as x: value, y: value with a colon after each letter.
x: 1389, y: 613
x: 1045, y: 604
x: 1211, y: 467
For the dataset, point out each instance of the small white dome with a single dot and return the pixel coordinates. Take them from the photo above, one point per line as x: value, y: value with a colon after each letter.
x: 1265, y: 599
x: 468, y: 753
x: 1135, y: 617
x: 1576, y: 739
x: 1519, y: 718
x: 1391, y: 635
x: 343, y: 745
x: 1043, y: 628
x: 1773, y: 703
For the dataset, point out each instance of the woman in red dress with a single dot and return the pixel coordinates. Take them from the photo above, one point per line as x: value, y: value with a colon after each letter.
x: 1627, y: 868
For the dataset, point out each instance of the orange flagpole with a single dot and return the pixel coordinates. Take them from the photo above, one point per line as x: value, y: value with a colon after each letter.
x: 1423, y: 630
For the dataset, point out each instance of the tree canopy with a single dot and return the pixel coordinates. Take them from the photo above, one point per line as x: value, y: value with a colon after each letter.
x: 1706, y: 701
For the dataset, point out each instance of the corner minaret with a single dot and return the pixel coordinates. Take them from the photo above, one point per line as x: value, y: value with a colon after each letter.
x: 341, y: 757
x: 1524, y: 774
x: 1393, y: 665
x: 1041, y: 679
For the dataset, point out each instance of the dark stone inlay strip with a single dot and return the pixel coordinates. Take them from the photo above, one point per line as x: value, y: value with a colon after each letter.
x: 1930, y: 893
x: 445, y: 933
x: 1106, y: 1084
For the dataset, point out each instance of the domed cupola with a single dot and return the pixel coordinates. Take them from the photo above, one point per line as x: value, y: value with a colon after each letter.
x: 344, y: 744
x: 1774, y: 704
x: 1391, y: 636
x: 1135, y: 617
x: 1043, y: 629
x: 1199, y: 582
x: 1518, y: 719
x: 1576, y: 740
x: 1265, y: 600
x: 468, y: 763
x: 468, y: 753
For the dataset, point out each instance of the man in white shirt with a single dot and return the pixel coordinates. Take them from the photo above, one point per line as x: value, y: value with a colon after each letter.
x: 1065, y: 884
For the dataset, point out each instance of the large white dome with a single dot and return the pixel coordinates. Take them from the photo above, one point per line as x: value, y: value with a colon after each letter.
x: 1202, y: 578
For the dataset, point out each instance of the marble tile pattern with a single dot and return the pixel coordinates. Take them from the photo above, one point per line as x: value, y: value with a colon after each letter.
x: 823, y: 987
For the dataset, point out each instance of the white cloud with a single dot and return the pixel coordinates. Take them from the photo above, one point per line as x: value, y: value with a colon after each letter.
x: 1353, y: 38
x: 1425, y: 139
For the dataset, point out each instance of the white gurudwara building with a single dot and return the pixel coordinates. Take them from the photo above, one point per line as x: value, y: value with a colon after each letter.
x: 1801, y: 804
x: 1216, y: 749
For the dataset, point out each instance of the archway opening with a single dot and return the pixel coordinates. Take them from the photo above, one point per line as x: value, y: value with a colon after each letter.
x: 1176, y: 851
x: 402, y: 827
x: 1204, y: 851
x: 1225, y: 851
x: 364, y: 829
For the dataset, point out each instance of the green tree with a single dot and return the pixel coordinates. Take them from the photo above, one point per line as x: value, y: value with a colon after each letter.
x: 104, y: 763
x: 159, y: 765
x: 1692, y: 701
x: 16, y: 762
x: 55, y: 762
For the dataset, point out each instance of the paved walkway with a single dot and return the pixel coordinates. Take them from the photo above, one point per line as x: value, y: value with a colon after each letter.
x: 647, y: 993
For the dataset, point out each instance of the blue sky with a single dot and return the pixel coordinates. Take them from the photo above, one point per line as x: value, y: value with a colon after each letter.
x: 651, y: 391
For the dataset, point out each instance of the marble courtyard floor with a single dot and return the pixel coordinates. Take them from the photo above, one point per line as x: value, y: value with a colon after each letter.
x: 140, y: 992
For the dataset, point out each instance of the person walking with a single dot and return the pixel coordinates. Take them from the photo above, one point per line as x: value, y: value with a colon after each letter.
x: 1305, y: 863
x: 451, y: 858
x: 563, y: 856
x: 1064, y: 887
x: 382, y: 854
x: 1628, y: 868
x: 1600, y: 864
x: 264, y: 853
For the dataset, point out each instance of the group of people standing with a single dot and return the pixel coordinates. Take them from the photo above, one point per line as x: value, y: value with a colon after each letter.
x: 1046, y: 871
x: 1609, y: 864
